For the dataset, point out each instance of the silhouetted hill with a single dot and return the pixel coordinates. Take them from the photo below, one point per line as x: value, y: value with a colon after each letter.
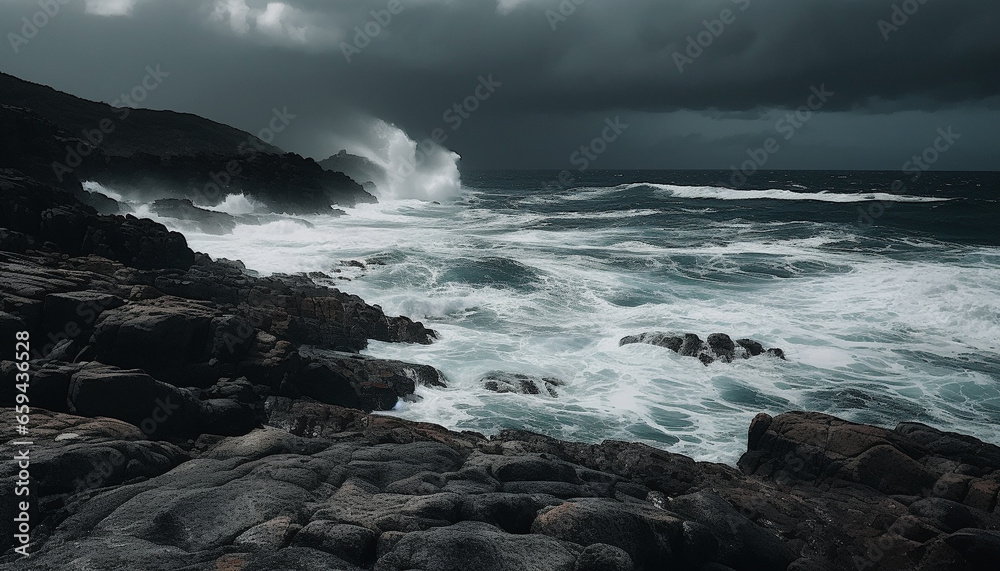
x: 59, y: 138
x: 358, y: 168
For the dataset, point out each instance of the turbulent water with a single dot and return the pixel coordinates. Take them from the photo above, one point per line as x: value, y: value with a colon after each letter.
x: 886, y: 302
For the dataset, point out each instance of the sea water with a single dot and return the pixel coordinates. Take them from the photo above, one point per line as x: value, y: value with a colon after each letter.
x: 884, y: 296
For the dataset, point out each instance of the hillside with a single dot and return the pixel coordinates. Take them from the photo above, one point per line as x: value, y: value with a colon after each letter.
x: 62, y: 139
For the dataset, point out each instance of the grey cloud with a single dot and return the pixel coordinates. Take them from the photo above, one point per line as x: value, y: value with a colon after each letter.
x: 233, y: 64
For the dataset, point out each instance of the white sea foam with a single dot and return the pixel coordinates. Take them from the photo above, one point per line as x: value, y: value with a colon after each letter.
x: 236, y: 204
x: 857, y: 327
x: 722, y: 193
x: 96, y: 187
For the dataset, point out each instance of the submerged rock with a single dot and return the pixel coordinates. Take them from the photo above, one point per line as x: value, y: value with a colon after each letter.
x: 504, y: 382
x: 719, y: 346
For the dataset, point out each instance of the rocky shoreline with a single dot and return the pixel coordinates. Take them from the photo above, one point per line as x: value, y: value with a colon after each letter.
x: 187, y: 415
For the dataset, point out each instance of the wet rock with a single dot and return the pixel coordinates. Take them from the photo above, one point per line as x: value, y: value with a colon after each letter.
x: 362, y: 382
x: 718, y: 347
x: 722, y: 346
x: 774, y: 352
x: 503, y: 382
x: 691, y: 346
x: 183, y: 209
x: 672, y: 342
x: 753, y: 348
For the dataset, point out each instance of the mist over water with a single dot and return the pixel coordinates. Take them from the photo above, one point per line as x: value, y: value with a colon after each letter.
x: 885, y: 314
x: 422, y: 170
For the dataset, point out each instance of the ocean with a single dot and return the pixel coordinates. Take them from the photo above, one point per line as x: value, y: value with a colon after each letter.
x: 884, y: 296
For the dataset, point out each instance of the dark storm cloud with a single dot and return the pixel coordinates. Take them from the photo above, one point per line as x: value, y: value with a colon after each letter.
x: 233, y: 60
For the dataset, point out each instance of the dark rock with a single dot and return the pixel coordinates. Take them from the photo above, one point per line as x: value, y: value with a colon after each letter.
x: 102, y: 203
x: 159, y: 335
x: 360, y: 381
x: 160, y: 152
x: 817, y: 447
x: 76, y: 312
x: 513, y: 513
x: 468, y: 546
x: 722, y: 346
x: 11, y: 241
x: 946, y: 515
x: 351, y: 543
x: 288, y: 559
x: 602, y: 557
x: 51, y: 215
x: 699, y: 544
x: 753, y: 348
x: 692, y: 345
x: 650, y: 536
x: 980, y: 548
x: 671, y: 342
x: 503, y: 382
x: 311, y: 419
x: 743, y: 545
x: 183, y: 209
x: 718, y: 347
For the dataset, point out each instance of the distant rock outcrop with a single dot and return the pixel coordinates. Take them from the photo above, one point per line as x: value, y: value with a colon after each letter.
x: 361, y: 169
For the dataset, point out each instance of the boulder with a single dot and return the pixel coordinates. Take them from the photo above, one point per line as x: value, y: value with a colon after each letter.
x: 351, y: 543
x: 649, y: 536
x: 672, y: 342
x: 359, y: 381
x: 468, y: 546
x: 742, y: 544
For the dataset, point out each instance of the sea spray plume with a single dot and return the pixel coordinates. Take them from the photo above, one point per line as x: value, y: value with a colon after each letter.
x: 422, y: 170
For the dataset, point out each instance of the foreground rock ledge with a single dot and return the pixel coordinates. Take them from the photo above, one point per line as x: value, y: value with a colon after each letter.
x: 326, y: 487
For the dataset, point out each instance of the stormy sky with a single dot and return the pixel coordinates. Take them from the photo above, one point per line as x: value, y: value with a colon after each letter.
x: 698, y: 83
